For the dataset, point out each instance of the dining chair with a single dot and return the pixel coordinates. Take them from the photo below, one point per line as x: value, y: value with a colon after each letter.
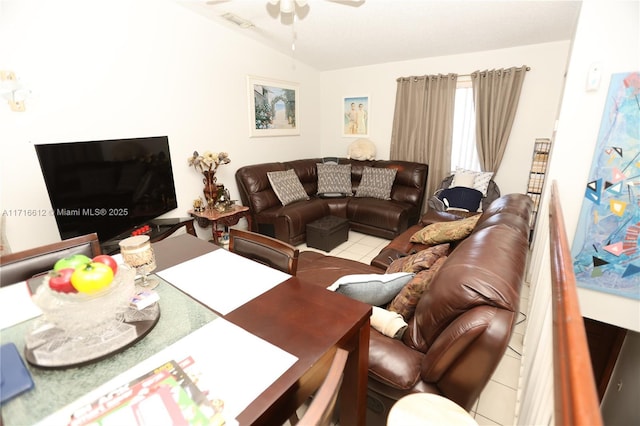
x: 22, y: 265
x: 264, y: 249
x: 323, y: 405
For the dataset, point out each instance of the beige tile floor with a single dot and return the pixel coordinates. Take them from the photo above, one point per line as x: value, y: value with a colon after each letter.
x: 496, y: 405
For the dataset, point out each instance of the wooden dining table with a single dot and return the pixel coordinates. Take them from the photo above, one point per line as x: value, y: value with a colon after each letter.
x: 304, y: 319
x: 301, y: 319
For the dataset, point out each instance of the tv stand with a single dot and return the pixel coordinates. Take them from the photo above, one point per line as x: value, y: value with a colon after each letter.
x: 159, y: 229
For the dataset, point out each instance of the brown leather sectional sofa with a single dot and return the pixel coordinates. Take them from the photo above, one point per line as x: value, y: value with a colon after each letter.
x: 462, y: 323
x: 382, y: 218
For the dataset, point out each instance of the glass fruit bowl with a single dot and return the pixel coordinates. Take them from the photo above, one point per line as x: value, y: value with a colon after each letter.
x: 88, y: 312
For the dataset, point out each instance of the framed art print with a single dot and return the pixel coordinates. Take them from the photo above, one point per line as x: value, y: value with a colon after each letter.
x: 273, y: 107
x: 355, y: 116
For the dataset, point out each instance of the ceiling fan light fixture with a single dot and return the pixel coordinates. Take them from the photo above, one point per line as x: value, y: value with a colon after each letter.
x: 287, y: 6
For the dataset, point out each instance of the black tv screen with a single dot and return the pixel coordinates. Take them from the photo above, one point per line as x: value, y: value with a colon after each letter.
x: 107, y: 186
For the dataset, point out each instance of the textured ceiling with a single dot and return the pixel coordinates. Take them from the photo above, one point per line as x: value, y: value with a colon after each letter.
x: 335, y: 34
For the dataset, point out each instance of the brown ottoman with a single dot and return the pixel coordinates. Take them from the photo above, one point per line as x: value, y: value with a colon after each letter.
x: 327, y: 233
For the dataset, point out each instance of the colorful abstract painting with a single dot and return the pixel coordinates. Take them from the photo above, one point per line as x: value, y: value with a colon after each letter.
x: 606, y: 256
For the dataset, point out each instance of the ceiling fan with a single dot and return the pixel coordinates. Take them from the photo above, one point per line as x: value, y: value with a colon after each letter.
x: 289, y: 6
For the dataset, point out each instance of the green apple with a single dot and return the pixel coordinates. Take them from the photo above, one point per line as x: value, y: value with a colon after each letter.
x: 72, y: 262
x: 91, y: 277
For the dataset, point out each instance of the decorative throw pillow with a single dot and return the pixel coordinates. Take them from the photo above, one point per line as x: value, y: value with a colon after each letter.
x: 480, y: 179
x: 334, y: 179
x: 406, y: 301
x: 424, y: 259
x: 287, y: 186
x: 463, y: 179
x: 444, y: 232
x: 376, y: 183
x: 374, y: 289
x: 481, y: 183
x: 461, y: 198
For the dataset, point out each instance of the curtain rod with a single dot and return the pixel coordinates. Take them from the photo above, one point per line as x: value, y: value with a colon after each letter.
x: 506, y: 70
x: 459, y: 75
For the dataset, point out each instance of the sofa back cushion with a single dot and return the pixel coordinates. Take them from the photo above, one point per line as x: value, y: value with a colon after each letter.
x: 516, y: 204
x: 307, y: 171
x: 410, y: 182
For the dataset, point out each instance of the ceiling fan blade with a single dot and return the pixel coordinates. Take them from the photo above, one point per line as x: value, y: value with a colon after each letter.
x: 352, y: 3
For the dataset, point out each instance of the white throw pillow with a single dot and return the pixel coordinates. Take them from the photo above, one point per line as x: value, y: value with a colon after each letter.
x: 463, y: 179
x: 480, y: 180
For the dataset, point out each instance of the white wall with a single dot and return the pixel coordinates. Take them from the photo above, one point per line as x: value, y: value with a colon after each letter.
x: 607, y: 32
x: 536, y: 115
x: 130, y: 68
x: 620, y: 402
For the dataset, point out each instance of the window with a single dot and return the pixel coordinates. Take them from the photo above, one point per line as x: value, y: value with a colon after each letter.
x: 463, y: 147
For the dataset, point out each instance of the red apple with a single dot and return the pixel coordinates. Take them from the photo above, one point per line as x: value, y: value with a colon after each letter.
x: 107, y: 260
x: 60, y: 281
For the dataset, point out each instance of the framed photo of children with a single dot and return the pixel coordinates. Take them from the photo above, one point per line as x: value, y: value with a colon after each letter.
x: 273, y: 107
x: 355, y: 116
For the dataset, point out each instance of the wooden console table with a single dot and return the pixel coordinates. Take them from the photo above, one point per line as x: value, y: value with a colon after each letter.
x: 158, y: 230
x: 227, y: 218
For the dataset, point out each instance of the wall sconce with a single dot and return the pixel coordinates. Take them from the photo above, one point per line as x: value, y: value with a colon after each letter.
x: 13, y: 91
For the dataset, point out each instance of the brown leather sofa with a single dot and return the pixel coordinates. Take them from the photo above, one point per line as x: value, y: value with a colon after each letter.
x: 462, y: 323
x: 382, y: 218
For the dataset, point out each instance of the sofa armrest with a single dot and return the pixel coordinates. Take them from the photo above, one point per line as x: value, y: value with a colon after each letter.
x: 399, y: 247
x: 392, y: 362
x: 465, y: 355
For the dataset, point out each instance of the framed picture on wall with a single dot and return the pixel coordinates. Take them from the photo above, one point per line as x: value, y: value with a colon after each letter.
x: 355, y: 116
x: 273, y: 107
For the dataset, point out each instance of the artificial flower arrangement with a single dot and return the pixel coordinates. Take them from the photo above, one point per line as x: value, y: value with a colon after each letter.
x: 208, y: 164
x: 209, y: 161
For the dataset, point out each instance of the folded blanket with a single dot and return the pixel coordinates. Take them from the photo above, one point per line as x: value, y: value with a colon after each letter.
x: 388, y: 323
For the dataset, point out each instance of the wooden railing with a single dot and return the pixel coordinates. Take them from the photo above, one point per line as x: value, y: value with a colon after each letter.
x: 576, y: 399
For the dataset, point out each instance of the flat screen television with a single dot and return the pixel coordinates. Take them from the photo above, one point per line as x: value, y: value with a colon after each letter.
x: 107, y: 186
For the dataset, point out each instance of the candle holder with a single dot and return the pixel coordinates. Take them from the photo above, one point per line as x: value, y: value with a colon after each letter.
x: 137, y: 253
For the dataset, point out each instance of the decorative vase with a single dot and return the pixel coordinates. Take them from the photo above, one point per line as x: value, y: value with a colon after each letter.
x: 211, y: 189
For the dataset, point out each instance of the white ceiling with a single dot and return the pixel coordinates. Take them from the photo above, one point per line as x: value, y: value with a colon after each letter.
x: 335, y: 34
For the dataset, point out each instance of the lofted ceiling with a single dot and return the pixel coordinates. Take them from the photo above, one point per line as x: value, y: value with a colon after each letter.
x: 335, y: 34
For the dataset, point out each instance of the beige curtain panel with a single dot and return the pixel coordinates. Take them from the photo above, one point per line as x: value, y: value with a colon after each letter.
x: 495, y: 94
x: 423, y: 124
